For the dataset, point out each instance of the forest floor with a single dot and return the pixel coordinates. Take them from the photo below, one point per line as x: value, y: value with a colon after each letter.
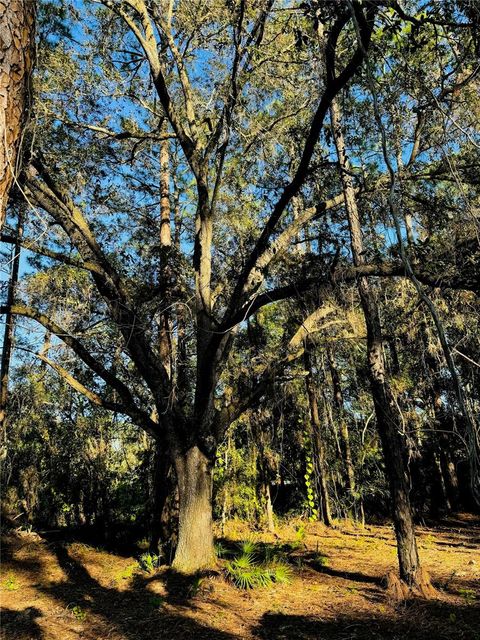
x: 51, y: 590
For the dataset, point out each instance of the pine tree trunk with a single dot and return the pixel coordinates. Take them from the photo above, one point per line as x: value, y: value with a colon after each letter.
x: 17, y: 46
x: 389, y: 422
x: 195, y: 549
x: 388, y: 425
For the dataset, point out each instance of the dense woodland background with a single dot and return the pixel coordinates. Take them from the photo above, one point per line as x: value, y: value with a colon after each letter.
x: 241, y: 251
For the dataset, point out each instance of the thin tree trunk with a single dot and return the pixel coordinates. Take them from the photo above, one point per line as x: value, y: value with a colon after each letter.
x: 165, y: 344
x: 318, y: 444
x: 195, y: 550
x: 344, y: 435
x: 17, y: 46
x: 449, y: 473
x: 388, y: 419
x: 265, y: 471
x: 445, y: 469
x: 268, y: 507
x: 9, y: 333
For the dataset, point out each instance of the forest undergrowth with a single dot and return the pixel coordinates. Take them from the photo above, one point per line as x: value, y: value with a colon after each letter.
x: 335, y: 588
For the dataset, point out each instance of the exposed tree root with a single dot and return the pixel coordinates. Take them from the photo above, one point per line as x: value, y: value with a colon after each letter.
x: 399, y: 591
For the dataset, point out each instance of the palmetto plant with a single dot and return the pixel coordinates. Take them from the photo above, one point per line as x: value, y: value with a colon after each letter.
x: 249, y: 571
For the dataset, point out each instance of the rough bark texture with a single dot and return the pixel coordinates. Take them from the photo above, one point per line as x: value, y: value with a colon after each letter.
x: 163, y: 487
x: 318, y: 444
x: 165, y: 226
x: 17, y: 39
x: 163, y: 530
x: 388, y: 419
x: 195, y: 534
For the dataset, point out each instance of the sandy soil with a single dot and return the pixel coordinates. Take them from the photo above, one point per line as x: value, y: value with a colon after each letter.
x: 51, y: 590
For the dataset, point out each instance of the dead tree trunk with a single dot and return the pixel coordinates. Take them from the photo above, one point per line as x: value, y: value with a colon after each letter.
x: 388, y: 419
x: 17, y: 46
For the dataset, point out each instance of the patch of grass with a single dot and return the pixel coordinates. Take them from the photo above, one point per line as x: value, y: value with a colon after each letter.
x: 299, y: 539
x: 11, y: 584
x: 320, y: 559
x: 353, y: 590
x: 127, y: 573
x: 79, y: 613
x: 429, y: 541
x: 196, y: 585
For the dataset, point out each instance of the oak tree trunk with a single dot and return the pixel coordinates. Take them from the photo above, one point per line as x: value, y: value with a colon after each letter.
x: 163, y: 488
x: 195, y: 550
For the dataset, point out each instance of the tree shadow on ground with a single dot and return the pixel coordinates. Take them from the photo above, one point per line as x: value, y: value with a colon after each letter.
x: 415, y: 621
x: 141, y: 614
x: 20, y: 625
x: 124, y: 546
x: 136, y: 613
x: 353, y: 576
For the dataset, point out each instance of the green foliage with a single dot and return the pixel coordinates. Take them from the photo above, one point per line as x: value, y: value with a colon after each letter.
x: 320, y: 560
x: 70, y: 463
x: 79, y: 613
x: 469, y: 595
x: 11, y: 583
x: 248, y: 547
x: 300, y: 533
x: 156, y: 601
x: 255, y: 567
x: 149, y: 562
x: 311, y: 500
x: 221, y: 550
x: 127, y: 573
x: 196, y: 585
